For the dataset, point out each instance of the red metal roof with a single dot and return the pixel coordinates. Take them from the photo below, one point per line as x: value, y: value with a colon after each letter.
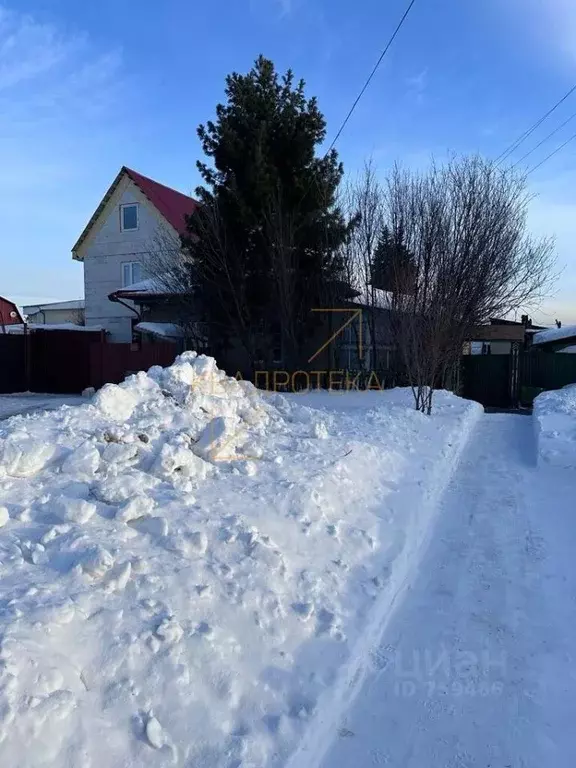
x: 8, y: 307
x: 173, y: 205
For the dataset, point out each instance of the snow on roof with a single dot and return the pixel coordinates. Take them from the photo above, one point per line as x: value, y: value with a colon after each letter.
x: 74, y: 304
x: 373, y: 297
x: 18, y: 328
x: 151, y: 285
x: 166, y: 330
x: 554, y: 334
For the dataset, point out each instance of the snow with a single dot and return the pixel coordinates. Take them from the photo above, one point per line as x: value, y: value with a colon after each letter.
x: 27, y: 402
x: 476, y: 664
x: 193, y: 571
x: 168, y: 330
x: 19, y: 329
x: 554, y: 334
x: 151, y: 286
x: 373, y: 297
x: 555, y: 425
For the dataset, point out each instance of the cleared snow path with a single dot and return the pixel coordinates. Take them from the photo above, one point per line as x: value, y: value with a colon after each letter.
x: 476, y: 668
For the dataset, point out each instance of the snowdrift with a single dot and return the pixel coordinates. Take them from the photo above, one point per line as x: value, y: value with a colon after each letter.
x: 555, y: 423
x: 192, y: 571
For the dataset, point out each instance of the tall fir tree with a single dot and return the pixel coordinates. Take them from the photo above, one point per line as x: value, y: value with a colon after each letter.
x: 265, y: 238
x: 392, y: 263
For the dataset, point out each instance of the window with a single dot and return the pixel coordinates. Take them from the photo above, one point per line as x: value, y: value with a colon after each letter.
x: 128, y: 217
x: 131, y: 273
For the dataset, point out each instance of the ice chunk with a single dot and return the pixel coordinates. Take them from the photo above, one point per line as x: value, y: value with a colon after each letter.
x: 4, y: 516
x: 139, y: 506
x: 117, y: 488
x: 96, y: 561
x: 116, y: 402
x: 71, y: 510
x: 170, y: 630
x: 154, y: 526
x: 216, y: 439
x: 178, y: 460
x: 119, y: 453
x: 83, y: 462
x: 319, y: 430
x: 154, y: 733
x: 23, y: 456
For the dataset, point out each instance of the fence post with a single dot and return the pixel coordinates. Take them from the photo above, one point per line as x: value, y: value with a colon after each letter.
x: 514, y: 374
x: 27, y: 360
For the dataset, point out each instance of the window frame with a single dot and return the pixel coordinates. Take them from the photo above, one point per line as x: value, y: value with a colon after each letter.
x: 121, y: 209
x: 131, y: 265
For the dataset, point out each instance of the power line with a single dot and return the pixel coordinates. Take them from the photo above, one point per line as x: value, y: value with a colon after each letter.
x: 521, y: 139
x: 551, y: 154
x: 544, y: 140
x: 371, y: 75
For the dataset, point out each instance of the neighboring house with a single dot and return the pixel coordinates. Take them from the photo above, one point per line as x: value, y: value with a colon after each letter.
x: 341, y: 341
x: 555, y: 339
x: 136, y: 217
x: 9, y: 313
x: 56, y: 312
x: 497, y: 337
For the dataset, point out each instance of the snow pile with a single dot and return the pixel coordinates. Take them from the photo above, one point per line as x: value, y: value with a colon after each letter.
x: 555, y: 423
x: 190, y: 570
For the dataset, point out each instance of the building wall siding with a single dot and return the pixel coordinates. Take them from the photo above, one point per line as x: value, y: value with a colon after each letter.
x: 107, y: 248
x: 57, y: 316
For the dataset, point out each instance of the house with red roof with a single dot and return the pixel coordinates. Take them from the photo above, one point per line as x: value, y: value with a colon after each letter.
x: 134, y: 216
x: 9, y: 313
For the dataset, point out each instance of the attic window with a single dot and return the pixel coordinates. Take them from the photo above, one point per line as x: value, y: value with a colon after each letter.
x: 128, y: 217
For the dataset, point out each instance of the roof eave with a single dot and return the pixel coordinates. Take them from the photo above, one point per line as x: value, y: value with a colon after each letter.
x: 86, y: 231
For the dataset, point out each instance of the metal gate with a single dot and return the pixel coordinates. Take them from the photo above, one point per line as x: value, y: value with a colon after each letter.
x: 490, y: 379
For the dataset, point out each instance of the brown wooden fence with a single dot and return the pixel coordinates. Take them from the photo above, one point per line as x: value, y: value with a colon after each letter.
x: 111, y: 363
x: 59, y: 361
x: 12, y: 363
x: 66, y: 362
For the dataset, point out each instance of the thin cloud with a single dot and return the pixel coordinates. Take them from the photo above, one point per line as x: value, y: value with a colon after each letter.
x: 59, y: 96
x: 417, y: 85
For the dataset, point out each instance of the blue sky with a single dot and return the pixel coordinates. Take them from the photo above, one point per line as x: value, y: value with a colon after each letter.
x: 88, y: 87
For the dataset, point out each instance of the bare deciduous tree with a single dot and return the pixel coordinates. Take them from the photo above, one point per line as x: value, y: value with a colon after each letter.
x: 364, y: 204
x: 464, y: 225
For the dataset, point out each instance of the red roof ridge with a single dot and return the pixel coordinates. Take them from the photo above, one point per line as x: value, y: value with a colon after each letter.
x: 174, y: 206
x: 171, y: 203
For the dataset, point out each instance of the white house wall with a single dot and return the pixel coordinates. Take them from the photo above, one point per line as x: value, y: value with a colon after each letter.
x: 107, y: 248
x: 56, y: 316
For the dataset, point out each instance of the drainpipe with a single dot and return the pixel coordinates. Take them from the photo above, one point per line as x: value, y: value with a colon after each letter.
x: 118, y: 300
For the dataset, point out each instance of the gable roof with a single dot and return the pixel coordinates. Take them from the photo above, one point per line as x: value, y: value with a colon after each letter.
x: 7, y: 320
x: 174, y: 206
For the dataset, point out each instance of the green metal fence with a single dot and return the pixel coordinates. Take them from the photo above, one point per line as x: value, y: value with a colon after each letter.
x: 506, y: 381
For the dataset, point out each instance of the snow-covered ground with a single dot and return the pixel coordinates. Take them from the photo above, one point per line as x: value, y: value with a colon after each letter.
x: 27, y: 402
x: 477, y: 666
x: 555, y: 424
x: 192, y: 573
